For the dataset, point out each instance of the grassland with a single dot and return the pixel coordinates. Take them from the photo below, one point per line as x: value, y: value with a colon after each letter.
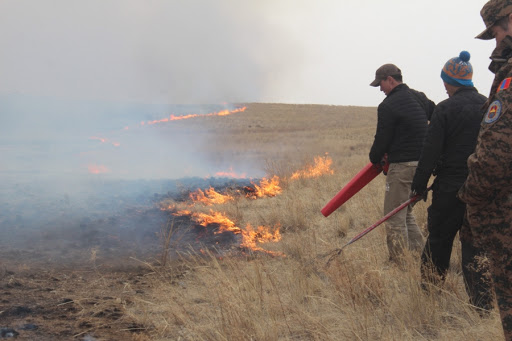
x: 358, y: 296
x: 290, y: 294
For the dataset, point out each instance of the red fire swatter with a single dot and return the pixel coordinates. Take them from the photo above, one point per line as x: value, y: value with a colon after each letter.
x: 361, y: 179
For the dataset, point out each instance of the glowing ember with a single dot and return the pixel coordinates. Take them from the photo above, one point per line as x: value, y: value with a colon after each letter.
x: 166, y: 206
x: 267, y: 188
x: 322, y: 166
x: 97, y: 169
x: 209, y: 197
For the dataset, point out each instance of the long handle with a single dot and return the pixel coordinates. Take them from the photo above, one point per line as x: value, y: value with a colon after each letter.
x: 383, y: 219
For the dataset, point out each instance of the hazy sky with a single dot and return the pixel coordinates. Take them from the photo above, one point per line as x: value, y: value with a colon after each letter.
x: 200, y: 51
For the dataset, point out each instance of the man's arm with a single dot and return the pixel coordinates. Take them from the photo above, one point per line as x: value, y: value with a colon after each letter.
x: 383, y: 135
x: 431, y: 152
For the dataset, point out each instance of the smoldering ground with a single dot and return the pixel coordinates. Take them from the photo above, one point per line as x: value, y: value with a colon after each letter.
x: 69, y: 196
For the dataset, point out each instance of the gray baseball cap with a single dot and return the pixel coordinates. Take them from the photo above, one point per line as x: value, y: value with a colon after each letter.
x: 384, y: 72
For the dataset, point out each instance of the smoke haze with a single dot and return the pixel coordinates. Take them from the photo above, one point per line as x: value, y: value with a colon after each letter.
x: 157, y: 51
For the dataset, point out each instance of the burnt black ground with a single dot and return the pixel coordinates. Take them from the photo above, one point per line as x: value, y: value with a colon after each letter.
x: 72, y: 265
x: 103, y: 222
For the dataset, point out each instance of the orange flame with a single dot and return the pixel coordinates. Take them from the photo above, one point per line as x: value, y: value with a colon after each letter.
x: 263, y: 234
x: 101, y: 139
x: 267, y: 188
x: 203, y: 219
x: 104, y: 140
x: 322, y: 166
x: 231, y: 174
x: 183, y: 212
x: 97, y: 169
x: 185, y: 117
x: 210, y: 197
x: 250, y: 237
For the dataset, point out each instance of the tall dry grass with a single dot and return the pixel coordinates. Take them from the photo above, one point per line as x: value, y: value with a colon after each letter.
x: 358, y: 296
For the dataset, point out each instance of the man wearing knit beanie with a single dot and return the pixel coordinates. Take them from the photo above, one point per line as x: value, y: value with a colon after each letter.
x: 451, y: 138
x: 487, y: 190
x: 458, y: 71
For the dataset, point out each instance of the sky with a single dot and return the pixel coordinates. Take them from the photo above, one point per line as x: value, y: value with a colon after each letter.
x: 218, y: 51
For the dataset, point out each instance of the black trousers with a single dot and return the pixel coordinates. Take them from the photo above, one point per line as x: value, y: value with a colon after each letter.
x: 446, y: 216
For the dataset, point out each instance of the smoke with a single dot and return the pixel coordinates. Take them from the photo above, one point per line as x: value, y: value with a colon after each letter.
x: 72, y: 70
x: 77, y: 175
x: 153, y: 51
x: 79, y: 77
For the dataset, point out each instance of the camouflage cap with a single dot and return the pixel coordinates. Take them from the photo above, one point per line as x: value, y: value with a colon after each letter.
x: 384, y: 71
x: 493, y: 11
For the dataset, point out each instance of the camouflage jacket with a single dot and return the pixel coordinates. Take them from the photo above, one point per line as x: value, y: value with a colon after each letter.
x: 490, y: 166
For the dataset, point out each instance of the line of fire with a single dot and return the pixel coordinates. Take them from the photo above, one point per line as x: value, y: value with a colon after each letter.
x: 197, y: 206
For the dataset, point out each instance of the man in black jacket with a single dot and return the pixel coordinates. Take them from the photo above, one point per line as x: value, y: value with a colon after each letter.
x: 451, y: 138
x: 401, y: 128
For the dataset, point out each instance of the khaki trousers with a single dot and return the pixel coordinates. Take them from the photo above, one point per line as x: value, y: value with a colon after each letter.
x: 401, y: 229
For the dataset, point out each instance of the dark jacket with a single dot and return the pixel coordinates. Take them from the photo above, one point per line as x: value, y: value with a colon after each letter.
x: 402, y: 125
x: 451, y: 138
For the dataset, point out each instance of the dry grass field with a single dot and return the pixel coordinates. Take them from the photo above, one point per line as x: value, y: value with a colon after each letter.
x: 286, y: 291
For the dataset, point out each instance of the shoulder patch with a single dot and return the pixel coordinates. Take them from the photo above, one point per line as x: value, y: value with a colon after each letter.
x: 505, y: 84
x: 493, y: 113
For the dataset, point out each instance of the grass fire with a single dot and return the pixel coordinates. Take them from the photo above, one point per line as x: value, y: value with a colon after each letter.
x: 240, y: 255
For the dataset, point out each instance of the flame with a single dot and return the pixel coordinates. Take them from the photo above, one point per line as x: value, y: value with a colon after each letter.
x: 267, y: 188
x: 185, y: 117
x: 203, y: 219
x: 97, y: 169
x: 209, y: 197
x: 250, y: 237
x: 231, y: 174
x: 168, y: 119
x: 104, y: 140
x: 182, y: 212
x: 101, y: 139
x: 322, y: 166
x: 262, y: 234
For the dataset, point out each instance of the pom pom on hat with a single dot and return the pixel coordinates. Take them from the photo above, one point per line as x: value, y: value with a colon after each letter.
x: 458, y: 70
x: 464, y: 56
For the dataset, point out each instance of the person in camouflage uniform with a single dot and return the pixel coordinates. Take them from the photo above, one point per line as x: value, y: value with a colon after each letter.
x: 488, y: 187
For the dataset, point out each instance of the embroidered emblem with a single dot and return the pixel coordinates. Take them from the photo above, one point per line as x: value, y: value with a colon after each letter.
x: 505, y: 84
x: 493, y: 113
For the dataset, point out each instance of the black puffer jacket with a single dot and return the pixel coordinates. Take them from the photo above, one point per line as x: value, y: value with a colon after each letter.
x: 451, y: 138
x: 402, y: 125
